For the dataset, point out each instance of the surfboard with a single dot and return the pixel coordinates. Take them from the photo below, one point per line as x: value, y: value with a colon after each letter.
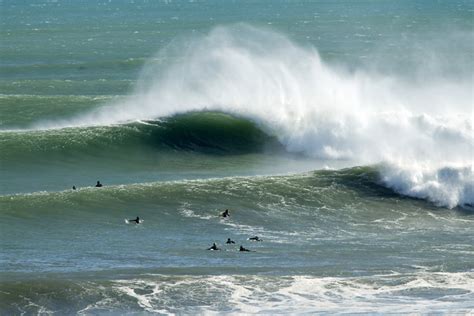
x: 140, y: 221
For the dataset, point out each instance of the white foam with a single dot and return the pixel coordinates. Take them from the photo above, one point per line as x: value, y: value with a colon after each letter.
x: 30, y: 306
x: 186, y: 211
x: 444, y: 186
x: 421, y: 292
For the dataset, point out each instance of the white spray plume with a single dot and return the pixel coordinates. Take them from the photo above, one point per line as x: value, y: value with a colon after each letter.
x: 316, y: 108
x: 446, y: 186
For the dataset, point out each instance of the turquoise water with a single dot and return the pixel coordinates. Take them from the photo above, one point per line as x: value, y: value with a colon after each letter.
x: 340, y: 133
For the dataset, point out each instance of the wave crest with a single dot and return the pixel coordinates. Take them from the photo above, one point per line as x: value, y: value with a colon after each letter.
x: 444, y: 186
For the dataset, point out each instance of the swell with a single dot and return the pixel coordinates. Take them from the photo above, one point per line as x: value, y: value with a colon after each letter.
x: 327, y: 189
x: 69, y: 69
x: 23, y: 110
x: 207, y: 132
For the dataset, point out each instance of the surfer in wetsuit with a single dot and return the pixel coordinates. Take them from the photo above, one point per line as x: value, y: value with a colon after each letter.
x: 256, y: 238
x: 98, y: 185
x: 225, y: 213
x: 213, y: 247
x: 243, y: 249
x: 73, y: 187
x: 229, y: 241
x: 136, y: 220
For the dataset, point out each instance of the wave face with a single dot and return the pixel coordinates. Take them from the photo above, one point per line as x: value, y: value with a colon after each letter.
x: 211, y: 132
x: 206, y: 132
x: 312, y: 107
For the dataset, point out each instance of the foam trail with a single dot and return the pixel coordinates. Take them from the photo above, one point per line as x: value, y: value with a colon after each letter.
x: 311, y: 106
x: 306, y: 294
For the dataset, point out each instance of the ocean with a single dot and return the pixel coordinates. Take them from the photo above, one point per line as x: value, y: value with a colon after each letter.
x: 341, y: 133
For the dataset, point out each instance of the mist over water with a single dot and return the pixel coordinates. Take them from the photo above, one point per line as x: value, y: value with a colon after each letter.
x: 419, y: 124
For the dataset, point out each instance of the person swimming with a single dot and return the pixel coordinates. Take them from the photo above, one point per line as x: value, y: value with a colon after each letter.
x: 225, y: 213
x: 98, y: 185
x: 229, y: 241
x: 243, y: 249
x: 213, y: 247
x: 136, y: 220
x: 255, y: 238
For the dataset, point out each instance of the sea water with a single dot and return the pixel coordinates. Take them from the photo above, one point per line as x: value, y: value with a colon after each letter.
x: 340, y: 133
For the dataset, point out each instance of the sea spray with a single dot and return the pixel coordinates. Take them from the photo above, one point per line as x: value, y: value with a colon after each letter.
x: 446, y: 186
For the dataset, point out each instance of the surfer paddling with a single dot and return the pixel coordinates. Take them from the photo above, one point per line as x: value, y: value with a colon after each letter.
x: 243, y: 249
x: 213, y: 247
x: 136, y: 220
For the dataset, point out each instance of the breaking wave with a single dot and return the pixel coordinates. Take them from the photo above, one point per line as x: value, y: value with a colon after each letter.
x: 420, y: 130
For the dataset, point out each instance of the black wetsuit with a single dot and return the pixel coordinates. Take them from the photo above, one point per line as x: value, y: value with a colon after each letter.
x: 137, y: 220
x: 213, y: 247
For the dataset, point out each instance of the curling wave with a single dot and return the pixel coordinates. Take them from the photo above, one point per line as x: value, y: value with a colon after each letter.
x: 313, y: 107
x: 206, y: 132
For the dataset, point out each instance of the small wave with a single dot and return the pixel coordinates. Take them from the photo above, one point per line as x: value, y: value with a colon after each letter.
x: 332, y: 194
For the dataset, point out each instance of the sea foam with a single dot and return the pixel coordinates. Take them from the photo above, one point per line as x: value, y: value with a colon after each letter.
x: 302, y: 294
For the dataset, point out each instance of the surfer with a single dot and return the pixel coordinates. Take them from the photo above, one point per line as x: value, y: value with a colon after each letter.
x: 229, y: 241
x: 213, y: 247
x: 98, y: 185
x: 255, y: 238
x: 73, y: 187
x: 225, y: 213
x: 136, y: 220
x: 243, y: 249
